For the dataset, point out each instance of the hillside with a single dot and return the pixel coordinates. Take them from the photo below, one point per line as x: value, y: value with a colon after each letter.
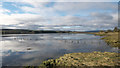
x: 25, y: 31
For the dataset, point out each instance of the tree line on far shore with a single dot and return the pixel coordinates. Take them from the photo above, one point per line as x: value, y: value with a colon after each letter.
x: 116, y: 29
x: 25, y: 31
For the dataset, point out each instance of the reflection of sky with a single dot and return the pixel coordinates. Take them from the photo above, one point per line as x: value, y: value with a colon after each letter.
x: 50, y: 46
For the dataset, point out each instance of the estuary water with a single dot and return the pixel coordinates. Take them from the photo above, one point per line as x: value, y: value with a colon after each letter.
x: 32, y: 49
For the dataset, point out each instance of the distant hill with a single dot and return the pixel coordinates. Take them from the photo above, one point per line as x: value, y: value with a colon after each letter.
x: 94, y: 31
x: 26, y: 31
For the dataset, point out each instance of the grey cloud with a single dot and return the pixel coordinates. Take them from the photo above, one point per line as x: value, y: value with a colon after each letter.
x: 73, y: 7
x: 37, y: 19
x: 104, y: 16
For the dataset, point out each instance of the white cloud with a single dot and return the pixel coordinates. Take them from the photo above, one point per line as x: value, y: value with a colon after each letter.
x: 2, y: 10
x: 115, y: 16
x: 17, y: 18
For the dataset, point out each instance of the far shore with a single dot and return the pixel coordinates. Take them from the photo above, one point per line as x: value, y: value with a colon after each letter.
x: 26, y: 31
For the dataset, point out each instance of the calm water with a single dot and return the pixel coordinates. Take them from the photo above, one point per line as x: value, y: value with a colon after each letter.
x: 32, y: 49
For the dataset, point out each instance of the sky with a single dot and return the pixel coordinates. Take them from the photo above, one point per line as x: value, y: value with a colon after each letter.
x: 55, y: 15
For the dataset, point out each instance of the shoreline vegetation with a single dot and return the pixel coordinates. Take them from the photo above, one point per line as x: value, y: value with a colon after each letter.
x: 85, y: 59
x: 111, y: 37
x: 77, y: 60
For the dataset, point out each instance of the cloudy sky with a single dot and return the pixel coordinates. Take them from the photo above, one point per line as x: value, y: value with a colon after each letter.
x: 79, y: 16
